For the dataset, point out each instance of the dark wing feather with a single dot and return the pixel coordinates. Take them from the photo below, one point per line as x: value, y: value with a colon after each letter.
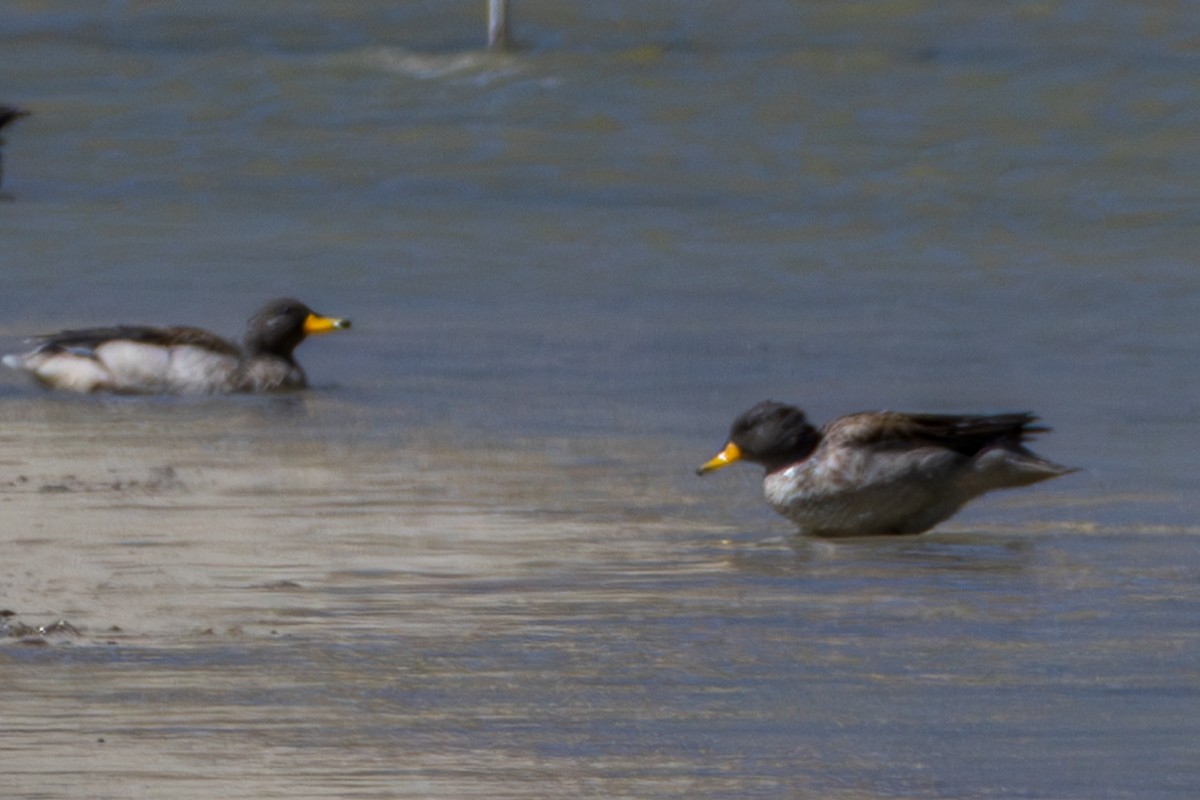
x: 86, y: 340
x: 963, y: 433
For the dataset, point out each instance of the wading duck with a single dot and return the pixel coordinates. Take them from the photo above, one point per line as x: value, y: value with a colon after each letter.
x: 881, y: 472
x: 133, y: 359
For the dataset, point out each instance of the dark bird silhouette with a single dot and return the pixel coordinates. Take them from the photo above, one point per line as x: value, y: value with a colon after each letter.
x: 8, y: 115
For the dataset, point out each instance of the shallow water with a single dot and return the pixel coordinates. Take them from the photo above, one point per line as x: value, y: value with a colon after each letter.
x: 473, y: 561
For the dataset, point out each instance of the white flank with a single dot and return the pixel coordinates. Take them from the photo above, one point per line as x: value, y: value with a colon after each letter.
x: 194, y: 370
x: 65, y: 371
x: 134, y: 367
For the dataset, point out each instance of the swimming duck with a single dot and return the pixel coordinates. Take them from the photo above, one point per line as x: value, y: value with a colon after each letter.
x: 881, y: 472
x: 133, y: 359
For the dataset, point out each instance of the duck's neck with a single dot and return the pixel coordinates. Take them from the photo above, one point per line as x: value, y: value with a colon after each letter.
x: 253, y: 347
x: 797, y: 450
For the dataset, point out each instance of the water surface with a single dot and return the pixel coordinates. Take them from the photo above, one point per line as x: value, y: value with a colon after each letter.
x: 473, y: 561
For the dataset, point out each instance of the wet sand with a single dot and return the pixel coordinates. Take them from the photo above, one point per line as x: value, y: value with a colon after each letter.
x: 257, y: 614
x: 181, y: 522
x: 201, y: 567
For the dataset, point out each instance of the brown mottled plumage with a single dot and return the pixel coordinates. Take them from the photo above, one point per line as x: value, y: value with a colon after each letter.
x: 135, y: 359
x: 882, y: 472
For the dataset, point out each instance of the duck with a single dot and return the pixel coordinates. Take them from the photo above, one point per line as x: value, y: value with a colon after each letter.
x: 882, y: 472
x: 137, y: 359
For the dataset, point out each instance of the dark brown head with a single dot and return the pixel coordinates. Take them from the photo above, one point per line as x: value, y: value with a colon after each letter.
x: 282, y: 324
x: 771, y: 434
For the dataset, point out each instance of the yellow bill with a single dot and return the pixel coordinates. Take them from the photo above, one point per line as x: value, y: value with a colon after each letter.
x: 316, y: 324
x: 730, y: 454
